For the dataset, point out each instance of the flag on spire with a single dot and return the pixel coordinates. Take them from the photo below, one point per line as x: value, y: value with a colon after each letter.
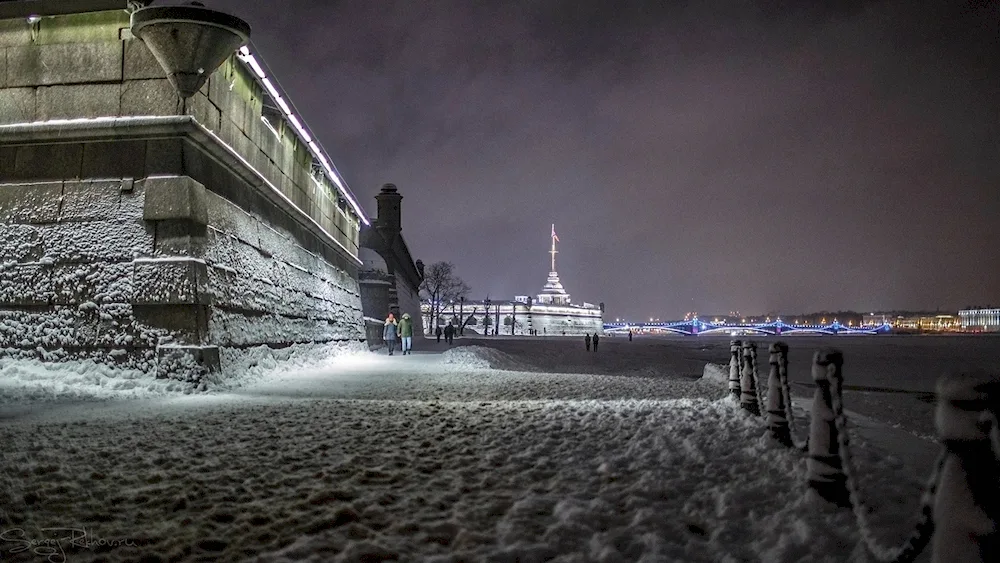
x: 554, y: 237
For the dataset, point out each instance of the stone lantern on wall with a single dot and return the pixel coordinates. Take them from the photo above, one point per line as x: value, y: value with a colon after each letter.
x: 189, y: 42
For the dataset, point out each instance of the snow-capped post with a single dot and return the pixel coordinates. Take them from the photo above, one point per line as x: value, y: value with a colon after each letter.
x: 824, y: 471
x: 967, y: 507
x: 786, y: 394
x: 734, y: 368
x: 777, y: 421
x: 748, y: 388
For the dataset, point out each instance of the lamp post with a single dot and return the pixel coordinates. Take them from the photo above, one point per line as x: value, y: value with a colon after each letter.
x: 496, y: 327
x: 461, y: 315
x: 486, y: 317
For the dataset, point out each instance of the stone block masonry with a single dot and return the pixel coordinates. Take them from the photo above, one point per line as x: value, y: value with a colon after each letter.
x: 147, y: 231
x: 157, y: 266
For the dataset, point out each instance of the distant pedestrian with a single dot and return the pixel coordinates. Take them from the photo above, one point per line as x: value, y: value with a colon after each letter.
x: 389, y: 332
x: 437, y: 332
x: 630, y: 336
x: 595, y: 341
x: 586, y: 342
x: 405, y: 330
x: 449, y: 333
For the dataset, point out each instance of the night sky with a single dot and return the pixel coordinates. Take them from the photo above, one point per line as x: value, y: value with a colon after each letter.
x: 769, y: 156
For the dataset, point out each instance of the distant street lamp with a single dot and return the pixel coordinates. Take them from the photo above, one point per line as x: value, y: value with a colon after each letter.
x: 486, y: 316
x: 461, y: 316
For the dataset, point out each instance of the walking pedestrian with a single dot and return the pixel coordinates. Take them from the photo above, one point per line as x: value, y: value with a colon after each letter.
x: 389, y: 332
x: 405, y: 330
x: 449, y: 333
x: 586, y: 341
x: 437, y: 332
x: 595, y: 341
x: 630, y: 335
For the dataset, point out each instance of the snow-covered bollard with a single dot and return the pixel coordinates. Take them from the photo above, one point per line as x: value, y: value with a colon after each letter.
x: 748, y: 380
x: 967, y: 506
x: 734, y: 368
x: 777, y: 421
x: 824, y: 470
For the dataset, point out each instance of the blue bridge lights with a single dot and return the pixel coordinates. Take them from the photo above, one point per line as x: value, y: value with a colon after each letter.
x: 777, y: 327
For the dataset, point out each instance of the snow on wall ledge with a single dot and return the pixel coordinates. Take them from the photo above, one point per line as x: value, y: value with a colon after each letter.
x: 158, y: 274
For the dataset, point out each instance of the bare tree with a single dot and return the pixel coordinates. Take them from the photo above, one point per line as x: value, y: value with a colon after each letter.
x: 441, y: 286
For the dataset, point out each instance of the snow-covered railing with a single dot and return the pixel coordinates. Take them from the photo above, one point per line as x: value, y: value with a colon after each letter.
x: 734, y: 368
x: 750, y: 397
x: 960, y: 506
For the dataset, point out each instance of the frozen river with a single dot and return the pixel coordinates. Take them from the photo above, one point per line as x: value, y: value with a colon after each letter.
x: 890, y: 378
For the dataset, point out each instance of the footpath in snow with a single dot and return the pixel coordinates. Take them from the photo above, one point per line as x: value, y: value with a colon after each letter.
x: 429, y: 457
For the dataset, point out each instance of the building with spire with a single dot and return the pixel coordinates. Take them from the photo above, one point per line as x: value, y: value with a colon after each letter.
x: 549, y: 313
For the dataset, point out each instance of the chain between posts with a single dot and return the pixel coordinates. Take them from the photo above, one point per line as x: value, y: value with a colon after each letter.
x: 761, y: 407
x: 924, y: 528
x: 990, y: 417
x: 786, y: 389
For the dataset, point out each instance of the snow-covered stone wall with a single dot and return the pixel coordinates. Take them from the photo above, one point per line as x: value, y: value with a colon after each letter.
x: 145, y: 229
x: 117, y: 269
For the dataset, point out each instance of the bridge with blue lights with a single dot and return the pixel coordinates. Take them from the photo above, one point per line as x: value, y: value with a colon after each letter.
x: 775, y: 328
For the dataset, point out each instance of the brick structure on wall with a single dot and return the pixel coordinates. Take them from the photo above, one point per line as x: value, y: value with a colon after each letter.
x: 150, y: 230
x: 390, y: 279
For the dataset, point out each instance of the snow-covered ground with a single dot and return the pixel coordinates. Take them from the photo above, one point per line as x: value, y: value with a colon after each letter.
x: 430, y: 457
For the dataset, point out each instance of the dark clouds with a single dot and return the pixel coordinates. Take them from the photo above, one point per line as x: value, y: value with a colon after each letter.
x: 709, y: 156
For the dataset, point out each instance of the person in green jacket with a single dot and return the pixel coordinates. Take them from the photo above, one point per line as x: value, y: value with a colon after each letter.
x: 405, y: 330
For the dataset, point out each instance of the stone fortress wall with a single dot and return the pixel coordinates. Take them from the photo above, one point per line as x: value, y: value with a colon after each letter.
x: 148, y: 230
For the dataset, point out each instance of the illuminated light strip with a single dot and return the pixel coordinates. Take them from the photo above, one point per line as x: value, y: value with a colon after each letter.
x: 79, y: 120
x: 322, y: 160
x: 273, y: 92
x: 250, y: 60
x: 299, y: 128
x: 323, y: 187
x: 176, y: 120
x: 274, y: 188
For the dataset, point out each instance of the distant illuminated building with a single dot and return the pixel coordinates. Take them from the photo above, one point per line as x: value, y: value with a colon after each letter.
x: 976, y: 320
x: 550, y: 313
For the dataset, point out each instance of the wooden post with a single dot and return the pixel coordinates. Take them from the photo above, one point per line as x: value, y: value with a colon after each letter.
x: 824, y: 470
x: 967, y: 506
x: 734, y: 368
x: 777, y: 422
x: 748, y: 387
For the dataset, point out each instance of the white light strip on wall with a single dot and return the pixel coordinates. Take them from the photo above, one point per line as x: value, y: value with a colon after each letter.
x: 173, y: 119
x: 248, y: 58
x: 299, y: 128
x: 274, y: 188
x: 78, y: 120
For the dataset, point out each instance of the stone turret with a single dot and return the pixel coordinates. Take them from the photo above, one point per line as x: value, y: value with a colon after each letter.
x: 388, y: 221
